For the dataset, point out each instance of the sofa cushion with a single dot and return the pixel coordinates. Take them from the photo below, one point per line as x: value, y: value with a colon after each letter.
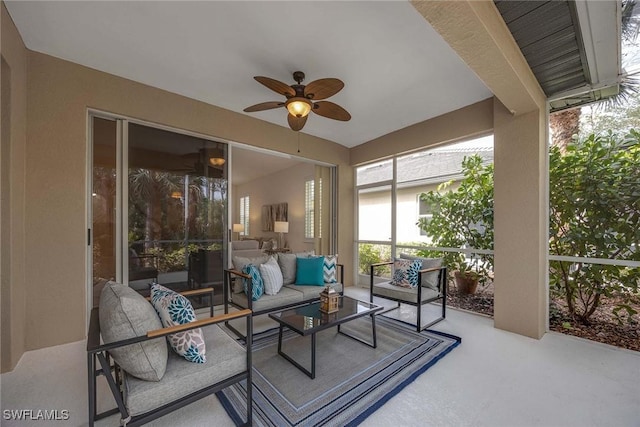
x: 311, y: 291
x: 310, y: 271
x: 429, y: 280
x: 330, y: 268
x: 271, y: 276
x: 287, y: 264
x: 386, y: 289
x: 175, y: 309
x: 244, y: 244
x: 226, y: 358
x: 284, y: 297
x: 124, y: 313
x: 240, y: 262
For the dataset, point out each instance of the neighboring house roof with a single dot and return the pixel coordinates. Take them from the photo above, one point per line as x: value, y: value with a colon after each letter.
x: 425, y: 167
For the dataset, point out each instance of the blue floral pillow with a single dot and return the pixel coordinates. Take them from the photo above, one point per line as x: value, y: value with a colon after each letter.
x: 405, y: 273
x: 256, y: 279
x: 175, y: 309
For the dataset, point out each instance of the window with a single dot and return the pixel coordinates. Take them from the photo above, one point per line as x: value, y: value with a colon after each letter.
x: 244, y: 215
x: 309, y: 209
x: 424, y: 211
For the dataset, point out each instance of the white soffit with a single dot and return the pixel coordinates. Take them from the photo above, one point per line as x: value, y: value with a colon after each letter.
x: 397, y: 70
x: 601, y: 42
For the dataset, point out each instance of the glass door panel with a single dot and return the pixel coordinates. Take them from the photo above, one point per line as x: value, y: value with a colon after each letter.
x: 177, y: 201
x: 103, y: 200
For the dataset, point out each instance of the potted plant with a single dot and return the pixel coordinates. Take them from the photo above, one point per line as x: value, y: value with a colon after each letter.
x: 463, y: 218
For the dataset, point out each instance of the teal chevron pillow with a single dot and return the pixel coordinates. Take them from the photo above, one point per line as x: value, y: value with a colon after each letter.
x: 310, y: 271
x: 256, y: 282
x: 175, y: 309
x: 405, y: 272
x: 330, y: 267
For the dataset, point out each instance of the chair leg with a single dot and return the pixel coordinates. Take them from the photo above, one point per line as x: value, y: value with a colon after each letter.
x: 418, y: 317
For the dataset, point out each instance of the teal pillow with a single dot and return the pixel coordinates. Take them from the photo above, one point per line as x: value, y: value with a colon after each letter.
x: 257, y: 285
x: 310, y: 271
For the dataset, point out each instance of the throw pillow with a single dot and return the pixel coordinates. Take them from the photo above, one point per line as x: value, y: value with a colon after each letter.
x: 257, y: 285
x: 267, y: 245
x: 124, y: 313
x: 428, y: 280
x: 405, y: 273
x: 271, y: 276
x: 310, y: 271
x: 287, y: 264
x: 175, y: 309
x: 330, y: 268
x: 239, y: 263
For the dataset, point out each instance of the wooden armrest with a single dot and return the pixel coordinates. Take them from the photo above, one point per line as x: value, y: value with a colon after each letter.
x: 238, y: 273
x: 198, y: 323
x: 379, y: 264
x: 194, y: 292
x: 427, y: 270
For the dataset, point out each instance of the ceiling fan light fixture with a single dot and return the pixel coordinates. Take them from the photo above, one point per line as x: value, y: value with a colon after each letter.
x: 216, y: 161
x: 298, y: 106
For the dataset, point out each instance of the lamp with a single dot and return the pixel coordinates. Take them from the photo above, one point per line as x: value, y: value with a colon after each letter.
x: 298, y: 106
x: 216, y: 161
x: 216, y: 156
x: 238, y: 228
x: 281, y: 227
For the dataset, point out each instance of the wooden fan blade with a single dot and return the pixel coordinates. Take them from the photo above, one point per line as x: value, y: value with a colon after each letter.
x: 331, y: 111
x: 323, y: 88
x: 264, y: 106
x: 296, y: 123
x: 276, y: 86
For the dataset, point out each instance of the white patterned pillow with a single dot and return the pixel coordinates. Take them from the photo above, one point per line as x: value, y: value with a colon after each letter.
x: 175, y: 309
x: 257, y: 284
x: 330, y: 268
x: 405, y: 273
x: 271, y: 276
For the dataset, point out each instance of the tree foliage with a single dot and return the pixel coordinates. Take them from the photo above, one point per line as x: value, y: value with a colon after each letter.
x: 594, y: 198
x: 463, y: 218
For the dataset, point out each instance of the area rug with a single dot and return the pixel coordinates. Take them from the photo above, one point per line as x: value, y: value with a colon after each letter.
x: 352, y: 380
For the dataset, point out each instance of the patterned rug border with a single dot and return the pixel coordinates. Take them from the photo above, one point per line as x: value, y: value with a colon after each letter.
x: 238, y: 418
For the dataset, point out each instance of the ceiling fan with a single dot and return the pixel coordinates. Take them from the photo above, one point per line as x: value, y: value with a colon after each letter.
x: 301, y: 99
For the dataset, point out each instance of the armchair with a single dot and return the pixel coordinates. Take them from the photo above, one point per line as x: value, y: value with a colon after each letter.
x: 140, y: 401
x: 432, y: 286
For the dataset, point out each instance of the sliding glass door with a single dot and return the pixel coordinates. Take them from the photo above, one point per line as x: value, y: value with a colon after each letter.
x: 159, y: 206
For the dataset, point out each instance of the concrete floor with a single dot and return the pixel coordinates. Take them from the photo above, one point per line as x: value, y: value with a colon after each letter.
x: 494, y: 378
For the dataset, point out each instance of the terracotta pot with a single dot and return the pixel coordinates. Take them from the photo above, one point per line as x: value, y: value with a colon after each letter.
x: 466, y: 283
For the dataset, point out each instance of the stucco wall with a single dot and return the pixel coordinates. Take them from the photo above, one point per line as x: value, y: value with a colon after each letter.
x: 12, y: 201
x: 60, y: 93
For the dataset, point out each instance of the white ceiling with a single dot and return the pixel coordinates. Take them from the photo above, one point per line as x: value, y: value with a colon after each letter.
x: 397, y: 70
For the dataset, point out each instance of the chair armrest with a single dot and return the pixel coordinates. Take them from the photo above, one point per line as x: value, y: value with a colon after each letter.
x: 428, y: 270
x: 238, y: 273
x: 93, y: 338
x: 379, y: 264
x: 198, y: 323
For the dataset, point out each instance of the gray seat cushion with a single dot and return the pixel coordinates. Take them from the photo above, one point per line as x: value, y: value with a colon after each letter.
x: 312, y: 292
x: 284, y: 297
x: 225, y: 358
x: 386, y: 289
x: 124, y: 313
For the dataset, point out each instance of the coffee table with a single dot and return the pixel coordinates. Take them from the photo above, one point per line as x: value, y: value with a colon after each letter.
x: 309, y: 320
